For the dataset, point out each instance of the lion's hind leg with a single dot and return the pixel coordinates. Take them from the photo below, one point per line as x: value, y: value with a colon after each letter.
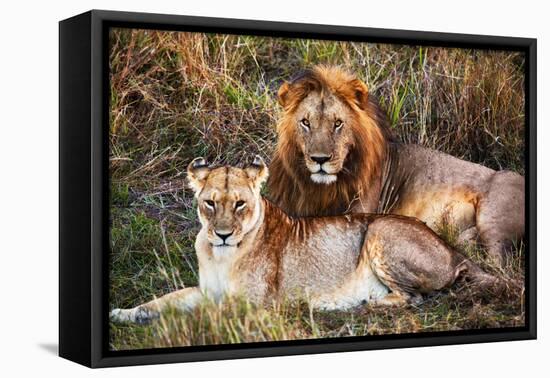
x: 501, y: 214
x: 469, y: 236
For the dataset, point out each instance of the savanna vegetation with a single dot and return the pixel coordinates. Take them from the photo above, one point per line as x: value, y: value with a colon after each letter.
x: 176, y: 96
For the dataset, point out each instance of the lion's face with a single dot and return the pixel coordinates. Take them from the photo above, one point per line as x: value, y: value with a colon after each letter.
x: 323, y: 108
x: 332, y: 142
x: 324, y: 135
x: 228, y: 201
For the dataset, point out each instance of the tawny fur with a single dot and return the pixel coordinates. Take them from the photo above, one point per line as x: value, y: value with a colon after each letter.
x: 369, y: 172
x: 248, y: 246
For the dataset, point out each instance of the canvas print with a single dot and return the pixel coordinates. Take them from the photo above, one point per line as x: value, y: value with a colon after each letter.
x: 274, y: 189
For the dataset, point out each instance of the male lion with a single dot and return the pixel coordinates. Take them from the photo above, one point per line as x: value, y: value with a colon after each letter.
x: 335, y: 156
x: 250, y: 247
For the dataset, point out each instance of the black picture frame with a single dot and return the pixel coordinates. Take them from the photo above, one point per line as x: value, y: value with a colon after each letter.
x: 84, y: 190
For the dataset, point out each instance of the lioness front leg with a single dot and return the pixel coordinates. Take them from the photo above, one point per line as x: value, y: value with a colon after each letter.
x: 184, y: 299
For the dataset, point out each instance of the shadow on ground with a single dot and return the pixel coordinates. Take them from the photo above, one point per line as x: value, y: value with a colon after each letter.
x: 51, y: 348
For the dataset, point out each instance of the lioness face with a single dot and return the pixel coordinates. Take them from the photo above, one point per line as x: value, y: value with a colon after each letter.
x: 228, y: 201
x: 324, y: 135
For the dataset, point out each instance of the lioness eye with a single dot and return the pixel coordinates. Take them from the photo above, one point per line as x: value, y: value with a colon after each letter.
x: 210, y: 204
x: 338, y: 124
x: 305, y: 123
x: 239, y: 204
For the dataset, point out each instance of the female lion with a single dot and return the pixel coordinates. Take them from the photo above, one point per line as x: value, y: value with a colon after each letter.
x: 247, y: 246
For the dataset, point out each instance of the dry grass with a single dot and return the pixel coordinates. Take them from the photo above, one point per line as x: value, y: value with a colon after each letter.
x: 175, y: 96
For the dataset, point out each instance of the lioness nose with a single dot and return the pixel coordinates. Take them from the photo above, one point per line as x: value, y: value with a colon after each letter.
x: 224, y: 235
x: 320, y: 158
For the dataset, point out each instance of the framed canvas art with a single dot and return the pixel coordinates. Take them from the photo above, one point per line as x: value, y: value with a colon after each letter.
x: 234, y: 188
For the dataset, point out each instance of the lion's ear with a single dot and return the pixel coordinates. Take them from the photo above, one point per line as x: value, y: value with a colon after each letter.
x: 360, y: 93
x: 197, y: 172
x: 291, y: 93
x: 282, y: 94
x: 257, y: 172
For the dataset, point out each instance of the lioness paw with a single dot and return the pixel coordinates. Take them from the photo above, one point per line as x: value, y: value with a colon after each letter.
x: 119, y: 315
x: 139, y: 315
x: 144, y: 315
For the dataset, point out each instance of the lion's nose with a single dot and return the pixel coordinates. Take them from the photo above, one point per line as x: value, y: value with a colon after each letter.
x: 320, y: 158
x: 224, y: 235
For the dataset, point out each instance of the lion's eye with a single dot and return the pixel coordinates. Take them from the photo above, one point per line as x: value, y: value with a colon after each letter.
x: 210, y: 204
x: 305, y: 123
x: 239, y: 205
x: 338, y: 124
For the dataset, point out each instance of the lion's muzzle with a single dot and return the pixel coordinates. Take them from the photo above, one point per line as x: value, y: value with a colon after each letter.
x: 322, y: 170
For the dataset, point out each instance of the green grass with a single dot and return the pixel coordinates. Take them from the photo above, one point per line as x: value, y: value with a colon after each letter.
x: 176, y: 96
x: 238, y: 321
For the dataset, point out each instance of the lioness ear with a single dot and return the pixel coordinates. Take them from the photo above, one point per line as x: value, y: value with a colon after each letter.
x: 360, y: 93
x: 197, y: 172
x: 257, y: 171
